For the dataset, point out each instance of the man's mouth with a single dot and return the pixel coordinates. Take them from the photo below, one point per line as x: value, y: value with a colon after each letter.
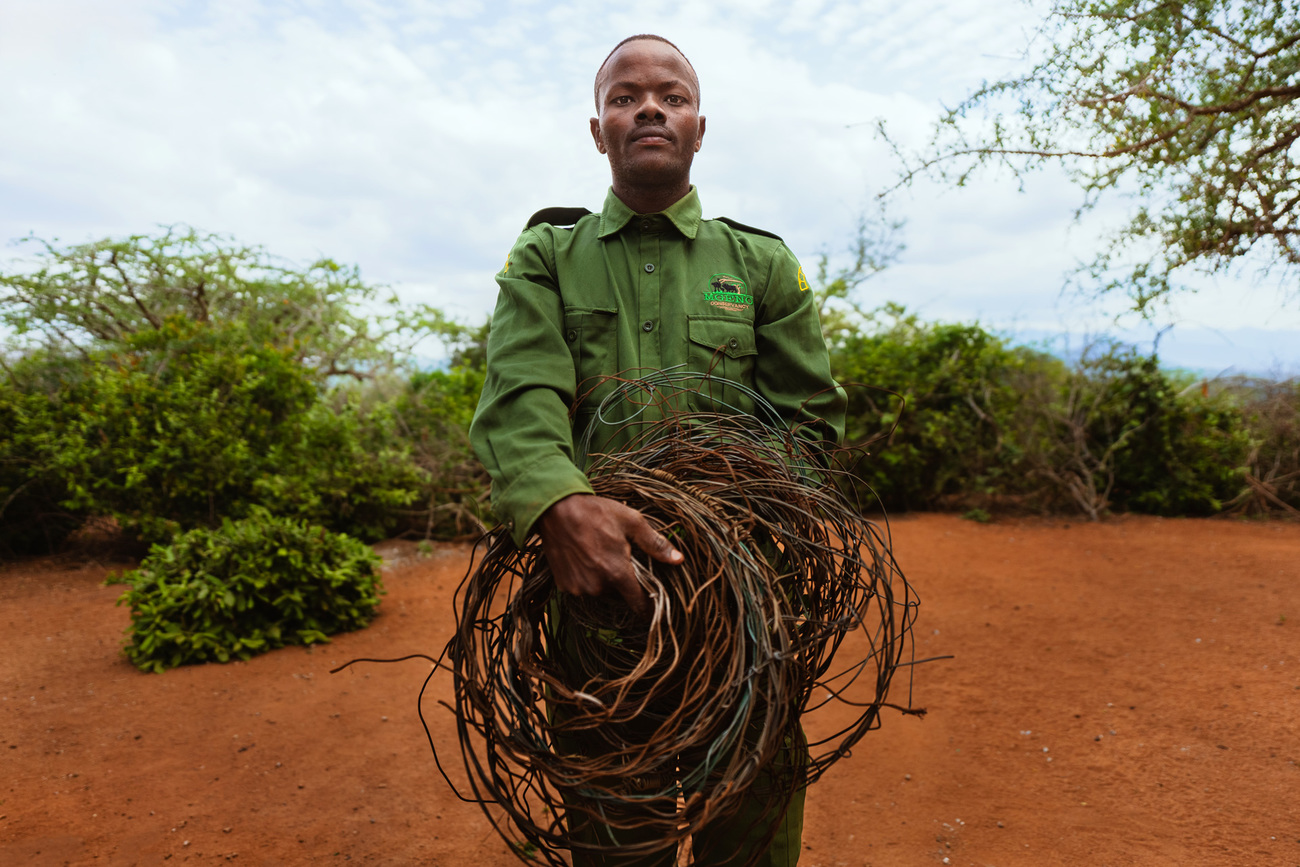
x: 651, y: 135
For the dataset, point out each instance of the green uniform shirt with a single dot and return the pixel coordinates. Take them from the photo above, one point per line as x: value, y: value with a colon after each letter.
x: 631, y: 294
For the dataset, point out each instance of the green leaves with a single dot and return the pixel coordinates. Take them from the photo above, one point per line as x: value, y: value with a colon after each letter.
x: 171, y: 381
x: 1115, y: 433
x: 240, y: 414
x: 250, y: 586
x: 184, y: 425
x: 32, y: 518
x: 947, y: 432
x: 976, y: 423
x: 433, y: 414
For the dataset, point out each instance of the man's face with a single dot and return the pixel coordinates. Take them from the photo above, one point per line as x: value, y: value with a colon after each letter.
x: 649, y: 124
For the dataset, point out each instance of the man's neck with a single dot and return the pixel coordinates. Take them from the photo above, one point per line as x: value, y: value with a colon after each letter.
x: 651, y: 200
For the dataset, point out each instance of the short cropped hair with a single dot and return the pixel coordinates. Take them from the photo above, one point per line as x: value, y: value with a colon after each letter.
x: 695, y: 79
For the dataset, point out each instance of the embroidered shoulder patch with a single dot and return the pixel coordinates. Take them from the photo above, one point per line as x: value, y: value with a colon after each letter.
x: 803, y: 281
x: 728, y: 292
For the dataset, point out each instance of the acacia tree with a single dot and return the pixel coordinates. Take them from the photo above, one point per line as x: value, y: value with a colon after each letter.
x: 99, y: 295
x: 1189, y: 104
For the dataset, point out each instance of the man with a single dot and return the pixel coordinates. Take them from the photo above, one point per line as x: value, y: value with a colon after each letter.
x: 644, y: 285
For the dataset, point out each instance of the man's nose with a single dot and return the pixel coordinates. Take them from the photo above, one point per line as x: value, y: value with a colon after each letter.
x: 650, y: 109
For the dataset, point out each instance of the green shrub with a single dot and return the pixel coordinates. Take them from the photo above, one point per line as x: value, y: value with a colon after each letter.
x: 1186, y: 456
x: 250, y: 586
x: 434, y: 413
x: 33, y: 516
x: 186, y: 425
x: 1115, y: 432
x: 173, y: 431
x: 173, y: 381
x: 985, y: 425
x: 951, y: 440
x: 345, y: 466
x: 1271, y: 416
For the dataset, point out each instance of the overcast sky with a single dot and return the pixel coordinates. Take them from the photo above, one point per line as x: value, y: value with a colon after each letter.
x: 415, y: 138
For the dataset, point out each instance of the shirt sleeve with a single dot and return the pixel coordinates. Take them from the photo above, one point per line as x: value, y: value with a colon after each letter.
x: 793, y: 370
x: 521, y: 429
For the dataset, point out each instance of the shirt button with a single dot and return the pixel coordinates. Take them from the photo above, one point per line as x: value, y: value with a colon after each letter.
x: 649, y: 267
x: 647, y: 225
x: 647, y: 326
x: 572, y: 336
x: 733, y: 343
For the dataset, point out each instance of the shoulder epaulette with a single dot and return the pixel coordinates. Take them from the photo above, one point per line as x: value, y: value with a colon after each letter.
x: 741, y: 227
x: 557, y: 216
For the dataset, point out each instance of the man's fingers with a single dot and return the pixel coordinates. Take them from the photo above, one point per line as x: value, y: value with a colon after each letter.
x: 655, y: 544
x: 586, y: 538
x: 633, y: 594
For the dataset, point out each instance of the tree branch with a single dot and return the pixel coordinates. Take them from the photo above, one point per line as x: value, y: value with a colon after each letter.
x: 130, y: 290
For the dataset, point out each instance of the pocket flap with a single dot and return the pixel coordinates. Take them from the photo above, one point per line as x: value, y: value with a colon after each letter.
x: 597, y: 319
x: 732, y: 338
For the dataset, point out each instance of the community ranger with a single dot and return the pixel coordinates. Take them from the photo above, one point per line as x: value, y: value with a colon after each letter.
x: 645, y: 285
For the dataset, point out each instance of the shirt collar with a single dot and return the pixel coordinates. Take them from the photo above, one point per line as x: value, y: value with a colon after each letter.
x: 684, y: 213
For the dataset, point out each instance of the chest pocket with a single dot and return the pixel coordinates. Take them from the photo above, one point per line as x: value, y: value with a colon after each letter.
x: 592, y: 335
x: 724, y: 347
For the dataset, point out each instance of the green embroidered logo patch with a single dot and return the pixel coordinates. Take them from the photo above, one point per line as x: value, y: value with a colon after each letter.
x: 729, y: 293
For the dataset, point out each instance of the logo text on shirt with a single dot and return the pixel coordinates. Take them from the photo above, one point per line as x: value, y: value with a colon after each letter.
x: 728, y: 292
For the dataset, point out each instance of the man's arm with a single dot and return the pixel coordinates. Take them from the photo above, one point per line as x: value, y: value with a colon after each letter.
x: 522, y: 434
x: 793, y: 370
x: 521, y: 428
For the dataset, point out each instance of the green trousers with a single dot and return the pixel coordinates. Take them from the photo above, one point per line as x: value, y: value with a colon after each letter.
x: 766, y: 831
x: 731, y: 842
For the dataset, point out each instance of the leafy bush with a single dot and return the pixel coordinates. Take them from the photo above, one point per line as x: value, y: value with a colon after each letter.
x: 188, y: 424
x: 1188, y: 453
x: 985, y: 425
x: 346, y: 466
x: 950, y: 441
x: 434, y: 413
x: 175, y: 380
x: 1271, y: 413
x: 1115, y: 432
x: 33, y: 517
x: 172, y: 432
x: 250, y: 586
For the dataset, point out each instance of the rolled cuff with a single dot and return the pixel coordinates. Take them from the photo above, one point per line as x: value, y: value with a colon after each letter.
x: 535, y: 490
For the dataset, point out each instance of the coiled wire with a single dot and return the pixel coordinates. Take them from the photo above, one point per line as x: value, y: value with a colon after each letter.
x: 573, y: 714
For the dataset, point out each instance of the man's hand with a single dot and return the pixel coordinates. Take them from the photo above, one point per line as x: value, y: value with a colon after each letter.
x: 586, y: 540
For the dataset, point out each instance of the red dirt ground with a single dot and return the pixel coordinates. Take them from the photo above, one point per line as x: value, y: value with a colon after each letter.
x: 1120, y: 693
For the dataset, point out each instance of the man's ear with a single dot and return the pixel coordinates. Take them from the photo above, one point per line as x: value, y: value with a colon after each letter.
x: 598, y: 139
x: 699, y: 139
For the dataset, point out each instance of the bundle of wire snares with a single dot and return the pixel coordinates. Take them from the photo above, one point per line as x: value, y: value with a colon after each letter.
x: 573, y: 713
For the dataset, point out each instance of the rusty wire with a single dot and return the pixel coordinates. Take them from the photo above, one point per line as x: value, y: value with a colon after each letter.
x: 573, y: 713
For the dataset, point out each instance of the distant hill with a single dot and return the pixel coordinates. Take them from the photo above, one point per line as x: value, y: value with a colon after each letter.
x: 1274, y: 353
